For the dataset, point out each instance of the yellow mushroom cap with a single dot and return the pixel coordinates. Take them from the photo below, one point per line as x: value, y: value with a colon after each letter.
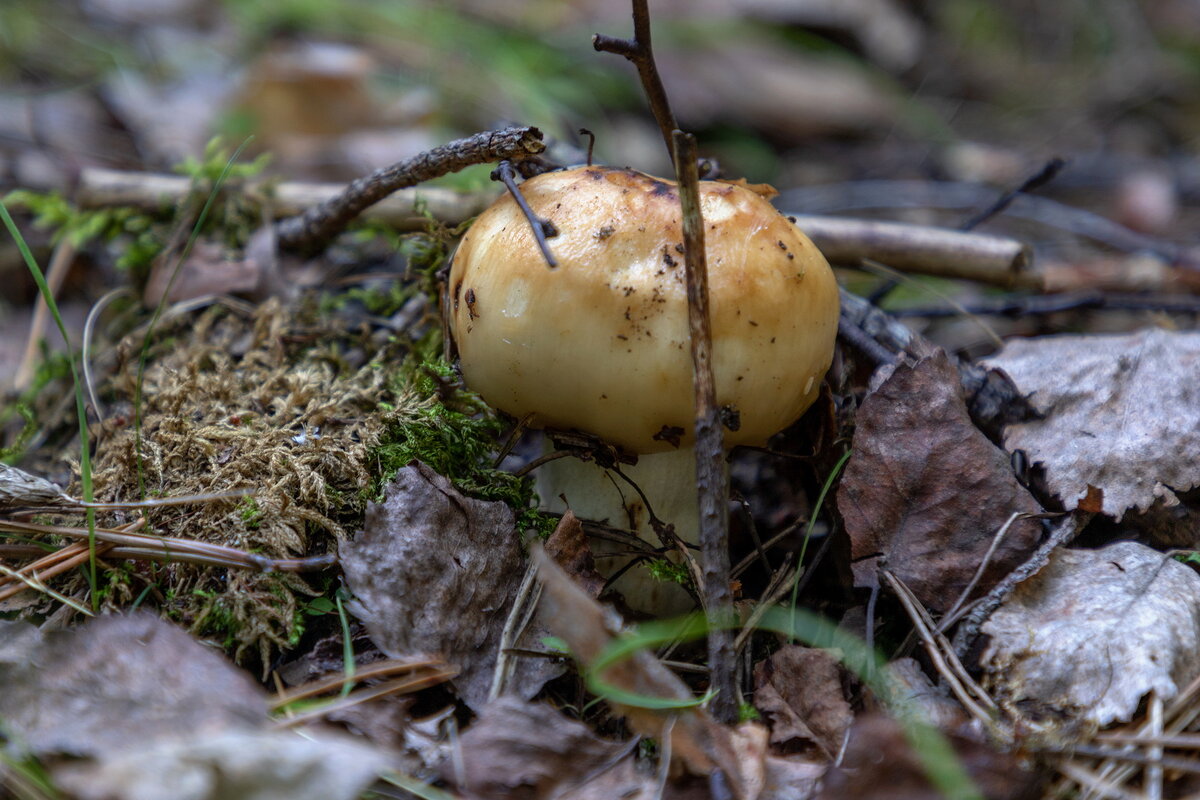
x: 600, y: 344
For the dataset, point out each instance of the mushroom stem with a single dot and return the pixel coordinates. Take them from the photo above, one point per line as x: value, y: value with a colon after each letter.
x: 668, y: 482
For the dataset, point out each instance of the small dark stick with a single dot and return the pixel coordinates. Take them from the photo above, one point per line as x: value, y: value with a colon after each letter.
x: 317, y: 226
x: 712, y: 480
x: 591, y: 143
x: 543, y: 229
x: 639, y: 51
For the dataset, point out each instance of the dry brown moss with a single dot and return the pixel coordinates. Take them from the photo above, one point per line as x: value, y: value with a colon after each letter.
x: 285, y: 402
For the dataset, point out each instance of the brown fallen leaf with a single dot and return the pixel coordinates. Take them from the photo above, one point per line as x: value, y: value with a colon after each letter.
x: 697, y: 741
x: 799, y: 689
x: 880, y: 764
x: 1090, y: 635
x: 568, y: 546
x: 926, y: 490
x: 1121, y: 414
x: 530, y: 751
x: 434, y: 571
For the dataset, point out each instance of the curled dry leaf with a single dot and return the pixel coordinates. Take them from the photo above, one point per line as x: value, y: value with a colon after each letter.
x: 436, y: 572
x: 568, y: 546
x: 1093, y: 633
x: 530, y: 751
x: 926, y: 490
x: 20, y: 488
x: 799, y: 689
x: 1120, y: 413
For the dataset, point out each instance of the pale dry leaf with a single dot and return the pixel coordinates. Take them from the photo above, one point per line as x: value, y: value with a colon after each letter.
x: 20, y: 488
x: 1093, y: 633
x: 926, y: 490
x: 530, y: 751
x: 117, y: 682
x: 434, y: 571
x: 248, y: 765
x: 1121, y: 413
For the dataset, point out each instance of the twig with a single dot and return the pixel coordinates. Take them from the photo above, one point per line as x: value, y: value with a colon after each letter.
x: 950, y: 616
x: 404, y: 209
x: 947, y: 664
x: 407, y: 685
x: 638, y: 50
x: 992, y: 260
x: 1037, y: 305
x: 1039, y: 179
x: 170, y: 549
x: 591, y: 143
x: 843, y: 197
x: 316, y: 227
x: 543, y: 229
x: 1066, y: 530
x: 374, y: 671
x: 712, y: 480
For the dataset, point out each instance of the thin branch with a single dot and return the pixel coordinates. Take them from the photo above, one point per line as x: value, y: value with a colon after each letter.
x: 712, y: 480
x: 1047, y: 173
x: 1062, y: 535
x: 404, y: 209
x: 992, y: 260
x: 543, y: 229
x: 639, y: 51
x: 1037, y: 305
x: 316, y: 227
x: 591, y: 143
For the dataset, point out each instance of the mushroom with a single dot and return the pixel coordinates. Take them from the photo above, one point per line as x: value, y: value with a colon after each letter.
x: 600, y: 343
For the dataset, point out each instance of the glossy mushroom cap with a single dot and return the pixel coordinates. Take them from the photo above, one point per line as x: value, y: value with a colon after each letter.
x: 600, y: 344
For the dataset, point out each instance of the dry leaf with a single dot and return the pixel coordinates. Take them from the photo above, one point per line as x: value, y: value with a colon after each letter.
x: 530, y: 751
x: 880, y: 764
x: 568, y: 546
x: 115, y: 684
x: 1092, y: 633
x: 436, y: 572
x: 928, y: 491
x: 697, y: 741
x: 19, y: 488
x: 799, y: 689
x: 1121, y: 413
x: 248, y: 765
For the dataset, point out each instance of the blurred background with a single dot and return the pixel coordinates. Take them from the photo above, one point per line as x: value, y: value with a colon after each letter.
x: 847, y: 106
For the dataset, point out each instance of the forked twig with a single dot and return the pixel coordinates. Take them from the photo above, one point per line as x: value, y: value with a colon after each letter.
x: 318, y: 225
x: 638, y: 50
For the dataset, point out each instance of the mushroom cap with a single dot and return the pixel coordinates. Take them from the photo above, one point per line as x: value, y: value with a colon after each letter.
x: 600, y: 344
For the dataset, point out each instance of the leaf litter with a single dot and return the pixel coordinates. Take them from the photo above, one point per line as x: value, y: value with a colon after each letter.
x: 1120, y: 413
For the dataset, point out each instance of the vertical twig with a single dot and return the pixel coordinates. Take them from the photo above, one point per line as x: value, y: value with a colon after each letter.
x: 639, y: 51
x: 711, y: 477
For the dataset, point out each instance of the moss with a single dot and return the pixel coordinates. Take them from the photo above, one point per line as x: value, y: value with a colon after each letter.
x: 669, y: 571
x: 455, y: 433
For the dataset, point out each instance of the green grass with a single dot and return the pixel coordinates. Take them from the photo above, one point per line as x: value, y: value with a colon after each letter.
x: 85, y: 451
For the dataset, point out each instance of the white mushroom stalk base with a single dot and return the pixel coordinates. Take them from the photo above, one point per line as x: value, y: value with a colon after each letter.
x: 669, y: 482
